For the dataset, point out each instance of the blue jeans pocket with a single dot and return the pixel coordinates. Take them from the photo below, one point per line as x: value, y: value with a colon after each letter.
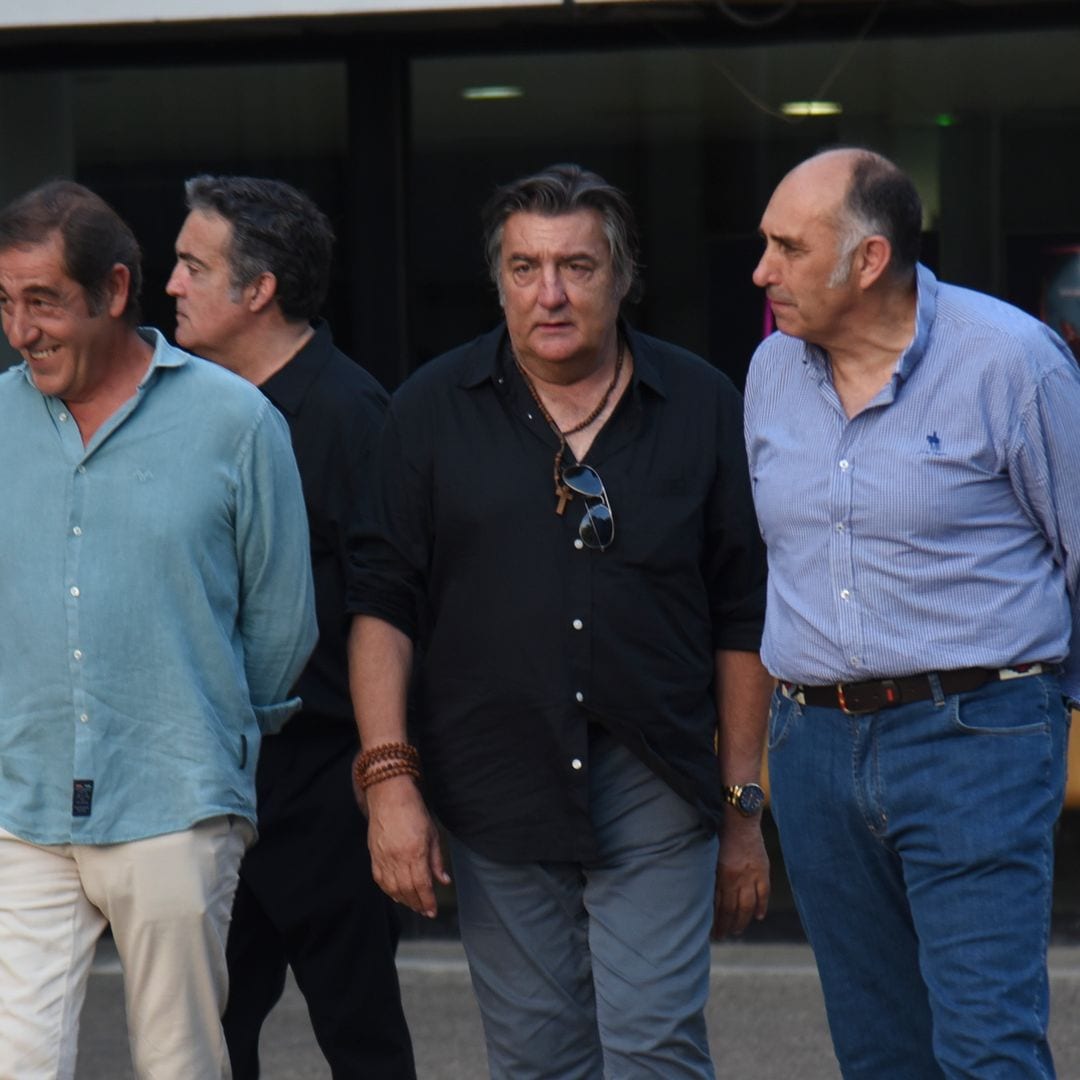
x: 783, y: 712
x: 1006, y: 708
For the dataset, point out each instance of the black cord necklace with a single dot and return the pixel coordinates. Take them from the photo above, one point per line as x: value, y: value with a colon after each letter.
x: 562, y: 492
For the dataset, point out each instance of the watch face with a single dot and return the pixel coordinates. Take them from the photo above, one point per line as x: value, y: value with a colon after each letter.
x: 752, y: 799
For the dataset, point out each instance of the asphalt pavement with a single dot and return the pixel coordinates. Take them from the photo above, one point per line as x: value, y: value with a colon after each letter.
x: 766, y: 1017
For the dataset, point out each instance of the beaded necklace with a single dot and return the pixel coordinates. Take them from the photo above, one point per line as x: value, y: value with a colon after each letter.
x: 562, y: 492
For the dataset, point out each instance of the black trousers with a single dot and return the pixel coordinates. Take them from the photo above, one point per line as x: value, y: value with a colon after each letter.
x: 306, y: 900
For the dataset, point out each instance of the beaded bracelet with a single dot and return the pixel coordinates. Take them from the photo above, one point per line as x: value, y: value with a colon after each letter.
x: 385, y: 761
x: 387, y: 751
x: 385, y: 772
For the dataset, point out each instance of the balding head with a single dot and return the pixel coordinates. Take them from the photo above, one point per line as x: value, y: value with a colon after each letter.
x: 866, y: 195
x: 841, y: 236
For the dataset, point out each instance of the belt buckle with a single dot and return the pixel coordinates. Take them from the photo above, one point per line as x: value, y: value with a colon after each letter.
x: 845, y: 708
x: 889, y: 695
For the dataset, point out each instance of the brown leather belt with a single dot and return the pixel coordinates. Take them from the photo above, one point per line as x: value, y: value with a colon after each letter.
x: 875, y: 694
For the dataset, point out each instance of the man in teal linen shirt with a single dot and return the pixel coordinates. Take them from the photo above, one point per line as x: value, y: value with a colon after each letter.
x: 155, y: 583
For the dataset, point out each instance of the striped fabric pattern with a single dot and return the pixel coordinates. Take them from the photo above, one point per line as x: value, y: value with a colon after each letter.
x: 940, y: 527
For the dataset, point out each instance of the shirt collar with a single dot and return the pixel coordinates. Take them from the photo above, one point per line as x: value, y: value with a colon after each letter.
x: 288, y: 386
x: 926, y: 290
x: 646, y: 372
x: 483, y: 360
x: 164, y: 356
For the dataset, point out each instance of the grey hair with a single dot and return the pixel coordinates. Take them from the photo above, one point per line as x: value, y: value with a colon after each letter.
x: 275, y: 229
x: 881, y: 200
x: 564, y: 189
x: 850, y: 233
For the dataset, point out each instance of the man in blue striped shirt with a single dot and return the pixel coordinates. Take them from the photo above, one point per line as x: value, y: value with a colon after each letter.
x: 916, y: 476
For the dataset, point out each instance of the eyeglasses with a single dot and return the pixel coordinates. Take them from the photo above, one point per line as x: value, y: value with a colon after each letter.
x: 597, y: 528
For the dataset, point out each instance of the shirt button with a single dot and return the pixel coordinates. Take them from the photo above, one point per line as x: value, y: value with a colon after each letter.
x: 84, y: 719
x: 839, y: 526
x: 575, y: 763
x: 845, y: 594
x: 81, y: 469
x: 579, y: 543
x: 74, y: 590
x: 577, y: 624
x: 77, y: 654
x: 63, y: 417
x: 857, y: 661
x: 76, y: 531
x: 845, y: 464
x: 579, y: 696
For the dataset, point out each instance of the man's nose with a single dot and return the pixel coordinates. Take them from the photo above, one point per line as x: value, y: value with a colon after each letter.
x: 763, y: 271
x: 552, y: 290
x: 173, y: 287
x: 20, y: 329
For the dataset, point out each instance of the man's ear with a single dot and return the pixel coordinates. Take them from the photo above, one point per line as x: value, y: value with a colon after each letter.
x: 117, y: 290
x: 261, y: 291
x: 872, y: 260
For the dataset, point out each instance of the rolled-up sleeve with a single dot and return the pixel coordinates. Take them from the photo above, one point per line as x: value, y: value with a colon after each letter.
x: 277, y: 627
x: 735, y: 570
x: 390, y: 558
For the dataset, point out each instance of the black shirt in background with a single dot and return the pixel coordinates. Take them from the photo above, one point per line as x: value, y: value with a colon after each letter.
x: 335, y: 411
x: 526, y: 635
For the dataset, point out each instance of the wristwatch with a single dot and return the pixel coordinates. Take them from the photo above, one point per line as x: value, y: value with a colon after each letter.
x: 748, y: 799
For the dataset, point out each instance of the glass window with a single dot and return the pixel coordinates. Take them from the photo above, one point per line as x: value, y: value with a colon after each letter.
x: 987, y: 124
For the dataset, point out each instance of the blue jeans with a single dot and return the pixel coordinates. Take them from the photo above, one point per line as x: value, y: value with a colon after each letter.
x: 919, y: 845
x: 597, y: 969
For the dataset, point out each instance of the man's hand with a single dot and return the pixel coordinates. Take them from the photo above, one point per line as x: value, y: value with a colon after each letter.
x: 742, y: 875
x: 406, y: 859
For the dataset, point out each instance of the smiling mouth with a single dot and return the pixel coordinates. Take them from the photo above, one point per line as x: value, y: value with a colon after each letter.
x: 42, y: 354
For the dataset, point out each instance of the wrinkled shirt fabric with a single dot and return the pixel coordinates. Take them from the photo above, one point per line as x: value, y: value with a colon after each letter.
x: 940, y: 527
x: 157, y: 600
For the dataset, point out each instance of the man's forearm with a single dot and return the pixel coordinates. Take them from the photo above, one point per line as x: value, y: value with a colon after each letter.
x: 743, y: 690
x: 406, y: 860
x: 380, y: 664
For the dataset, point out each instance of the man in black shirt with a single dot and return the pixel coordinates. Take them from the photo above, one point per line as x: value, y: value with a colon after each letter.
x: 252, y: 268
x: 565, y: 526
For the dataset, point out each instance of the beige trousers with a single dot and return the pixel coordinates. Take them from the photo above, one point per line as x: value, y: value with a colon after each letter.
x: 168, y: 899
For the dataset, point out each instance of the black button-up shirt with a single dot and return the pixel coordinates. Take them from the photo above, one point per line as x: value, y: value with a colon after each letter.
x: 335, y: 411
x: 526, y: 634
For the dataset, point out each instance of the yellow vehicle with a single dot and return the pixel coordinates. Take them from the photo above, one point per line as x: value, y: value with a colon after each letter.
x: 1072, y: 788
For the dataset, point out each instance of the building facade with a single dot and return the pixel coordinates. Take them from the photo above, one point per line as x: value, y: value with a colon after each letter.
x: 400, y: 116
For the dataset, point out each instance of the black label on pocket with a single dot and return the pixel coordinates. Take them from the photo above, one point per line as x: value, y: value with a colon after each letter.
x: 82, y: 797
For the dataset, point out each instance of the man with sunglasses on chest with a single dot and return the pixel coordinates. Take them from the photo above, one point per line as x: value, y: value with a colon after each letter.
x: 566, y: 531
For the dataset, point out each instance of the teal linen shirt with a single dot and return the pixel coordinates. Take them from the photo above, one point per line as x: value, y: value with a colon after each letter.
x: 157, y: 603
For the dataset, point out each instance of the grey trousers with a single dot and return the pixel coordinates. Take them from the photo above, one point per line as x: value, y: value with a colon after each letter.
x: 601, y: 969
